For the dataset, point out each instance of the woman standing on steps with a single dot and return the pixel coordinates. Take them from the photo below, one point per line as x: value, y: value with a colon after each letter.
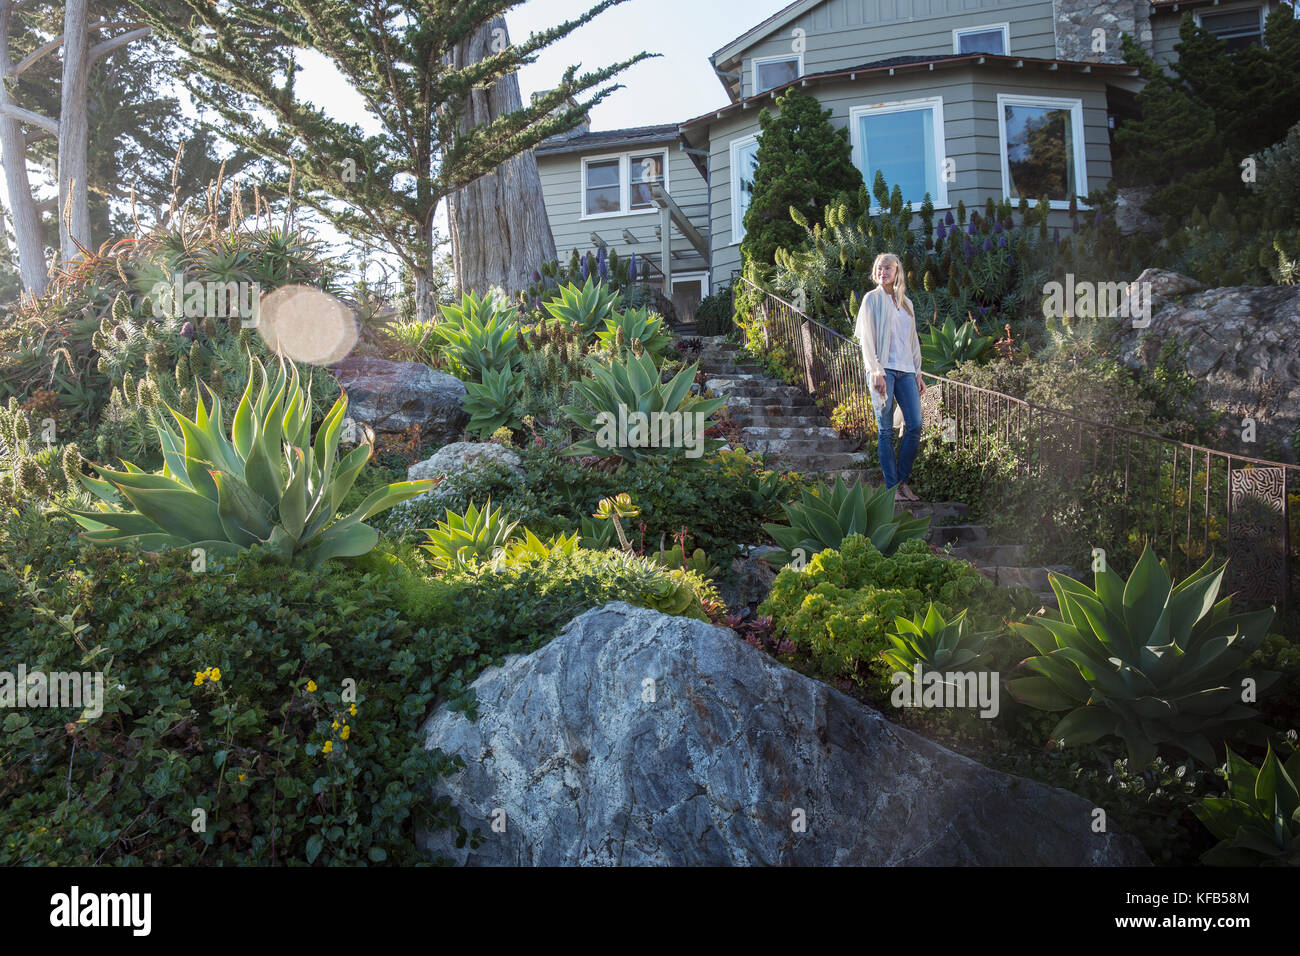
x: 891, y: 349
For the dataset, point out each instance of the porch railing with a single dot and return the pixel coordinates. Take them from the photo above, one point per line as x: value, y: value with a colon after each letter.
x: 1190, y: 502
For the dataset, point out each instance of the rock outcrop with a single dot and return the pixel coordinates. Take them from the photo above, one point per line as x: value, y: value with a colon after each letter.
x: 635, y: 738
x: 1241, y: 345
x: 393, y: 396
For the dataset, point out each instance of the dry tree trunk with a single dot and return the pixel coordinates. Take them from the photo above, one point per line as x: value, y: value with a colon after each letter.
x: 32, y: 267
x: 74, y: 132
x: 499, y: 229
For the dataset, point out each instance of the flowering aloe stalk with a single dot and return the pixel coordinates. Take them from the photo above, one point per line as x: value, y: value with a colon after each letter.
x: 268, y: 483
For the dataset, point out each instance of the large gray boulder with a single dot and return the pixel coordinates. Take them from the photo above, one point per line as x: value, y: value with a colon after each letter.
x: 393, y: 396
x: 1240, y: 344
x: 635, y: 738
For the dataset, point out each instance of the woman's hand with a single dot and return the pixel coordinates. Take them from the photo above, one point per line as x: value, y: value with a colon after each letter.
x: 878, y: 383
x: 920, y: 384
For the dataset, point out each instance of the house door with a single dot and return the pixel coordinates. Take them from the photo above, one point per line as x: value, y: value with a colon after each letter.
x: 688, y: 290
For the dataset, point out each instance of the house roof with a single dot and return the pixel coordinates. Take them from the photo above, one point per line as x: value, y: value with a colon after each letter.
x: 631, y: 136
x: 758, y: 32
x: 917, y: 64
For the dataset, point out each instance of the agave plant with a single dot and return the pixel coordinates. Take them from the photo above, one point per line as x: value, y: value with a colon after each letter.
x: 267, y: 484
x: 479, y: 335
x: 933, y: 643
x: 597, y: 535
x: 621, y: 393
x: 588, y: 307
x: 1150, y: 663
x: 1258, y: 822
x: 496, y: 402
x: 476, y: 536
x: 636, y: 330
x: 531, y: 548
x: 946, y: 346
x: 825, y: 516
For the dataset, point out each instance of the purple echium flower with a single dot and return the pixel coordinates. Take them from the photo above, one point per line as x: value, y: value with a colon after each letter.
x: 537, y: 276
x: 988, y: 245
x: 948, y: 218
x: 973, y: 229
x: 943, y: 231
x: 997, y: 227
x: 586, y: 268
x: 631, y: 269
x: 187, y: 330
x: 1003, y: 242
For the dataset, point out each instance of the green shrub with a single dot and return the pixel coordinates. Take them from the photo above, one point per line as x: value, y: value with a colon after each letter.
x: 839, y: 609
x: 713, y: 316
x: 633, y: 332
x: 944, y: 346
x: 1151, y: 663
x: 933, y: 643
x: 587, y: 307
x: 496, y: 402
x: 474, y: 537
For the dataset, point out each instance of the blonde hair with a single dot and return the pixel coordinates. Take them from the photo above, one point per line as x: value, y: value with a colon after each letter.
x: 899, y: 291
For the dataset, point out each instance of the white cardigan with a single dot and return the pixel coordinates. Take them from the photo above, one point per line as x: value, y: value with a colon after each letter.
x: 873, y: 330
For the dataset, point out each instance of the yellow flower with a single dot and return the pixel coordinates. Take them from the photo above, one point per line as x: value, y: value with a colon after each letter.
x: 311, y: 687
x: 214, y: 674
x: 242, y: 776
x: 329, y: 746
x: 353, y: 710
x: 335, y: 725
x: 198, y: 678
x: 345, y: 731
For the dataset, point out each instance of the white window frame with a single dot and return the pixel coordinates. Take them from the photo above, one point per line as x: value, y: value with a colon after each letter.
x: 1075, y: 106
x: 1263, y: 8
x: 935, y: 106
x: 699, y: 275
x: 778, y: 58
x: 986, y: 28
x: 737, y: 219
x: 624, y: 182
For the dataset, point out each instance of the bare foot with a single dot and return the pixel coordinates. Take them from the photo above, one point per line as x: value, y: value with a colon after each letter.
x: 909, y: 494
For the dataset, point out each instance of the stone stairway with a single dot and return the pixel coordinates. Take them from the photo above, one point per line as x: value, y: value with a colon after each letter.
x: 782, y: 423
x: 777, y: 420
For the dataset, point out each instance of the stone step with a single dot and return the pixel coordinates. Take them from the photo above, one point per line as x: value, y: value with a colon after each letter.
x: 942, y: 534
x: 796, y: 404
x: 829, y: 462
x: 746, y: 419
x: 768, y: 432
x: 991, y: 555
x: 758, y: 388
x: 936, y: 510
x: 799, y: 447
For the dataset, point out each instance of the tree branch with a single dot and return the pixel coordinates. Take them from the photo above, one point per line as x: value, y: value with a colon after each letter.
x: 27, y: 116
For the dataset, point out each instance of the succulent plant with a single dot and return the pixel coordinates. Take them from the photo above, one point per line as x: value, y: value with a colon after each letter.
x: 494, y: 403
x: 1151, y: 663
x: 825, y: 518
x: 944, y: 347
x: 475, y: 536
x: 268, y: 483
x: 587, y: 306
x: 935, y: 644
x: 478, y: 336
x: 1258, y: 822
x: 625, y: 330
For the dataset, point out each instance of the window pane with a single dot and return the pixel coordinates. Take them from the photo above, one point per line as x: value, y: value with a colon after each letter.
x: 775, y: 73
x: 644, y: 170
x: 602, y: 187
x: 901, y: 145
x: 1040, y: 152
x: 985, y: 41
x: 747, y: 165
x: 1237, y: 29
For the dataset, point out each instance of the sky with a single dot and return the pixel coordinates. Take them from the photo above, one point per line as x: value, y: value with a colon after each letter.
x: 678, y: 85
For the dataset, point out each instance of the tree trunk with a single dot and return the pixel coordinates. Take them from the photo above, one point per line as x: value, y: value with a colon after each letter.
x: 499, y: 229
x: 74, y: 132
x: 32, y: 267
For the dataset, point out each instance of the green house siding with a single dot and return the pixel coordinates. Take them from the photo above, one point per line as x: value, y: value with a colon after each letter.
x: 561, y: 175
x: 839, y: 34
x: 971, y: 133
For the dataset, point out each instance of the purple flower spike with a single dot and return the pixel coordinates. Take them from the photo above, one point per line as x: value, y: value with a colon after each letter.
x: 972, y: 228
x: 988, y: 245
x: 948, y: 218
x: 1003, y: 242
x: 187, y: 330
x: 997, y: 228
x: 943, y: 231
x: 631, y: 269
x: 537, y: 276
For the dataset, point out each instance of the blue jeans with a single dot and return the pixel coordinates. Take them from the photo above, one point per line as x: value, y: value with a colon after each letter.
x: 900, y: 387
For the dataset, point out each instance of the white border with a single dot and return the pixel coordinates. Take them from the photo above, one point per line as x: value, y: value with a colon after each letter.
x: 1075, y: 106
x: 700, y: 275
x: 624, y: 182
x: 777, y: 58
x: 932, y: 103
x: 986, y: 28
x: 737, y: 220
